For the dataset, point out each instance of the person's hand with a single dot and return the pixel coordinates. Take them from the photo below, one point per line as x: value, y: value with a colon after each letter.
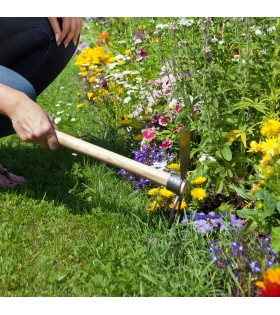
x: 71, y: 29
x: 30, y: 121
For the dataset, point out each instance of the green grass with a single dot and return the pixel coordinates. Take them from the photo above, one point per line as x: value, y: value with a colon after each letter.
x: 77, y: 229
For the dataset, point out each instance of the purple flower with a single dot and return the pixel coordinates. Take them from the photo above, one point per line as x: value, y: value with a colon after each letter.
x: 255, y: 266
x: 143, y: 53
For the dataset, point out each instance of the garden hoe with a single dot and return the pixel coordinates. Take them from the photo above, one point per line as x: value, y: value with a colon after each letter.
x: 172, y: 181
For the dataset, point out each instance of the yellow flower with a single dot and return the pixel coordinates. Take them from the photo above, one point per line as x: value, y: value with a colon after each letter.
x: 255, y: 188
x: 89, y: 95
x: 127, y: 51
x: 270, y: 128
x: 84, y: 74
x: 165, y: 192
x: 174, y: 167
x: 153, y: 206
x: 152, y: 191
x: 271, y: 146
x: 119, y: 90
x: 81, y: 105
x: 254, y: 147
x: 199, y: 180
x: 156, y: 39
x: 198, y: 193
x: 270, y: 286
x: 267, y: 171
x: 78, y: 93
x: 141, y: 27
x: 91, y: 79
x: 183, y: 205
x: 121, y: 62
x: 138, y: 138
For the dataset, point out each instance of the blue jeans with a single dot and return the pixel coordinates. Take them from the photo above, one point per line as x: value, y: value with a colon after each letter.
x: 29, y: 58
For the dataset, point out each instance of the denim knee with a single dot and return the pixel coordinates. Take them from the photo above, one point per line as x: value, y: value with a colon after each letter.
x: 14, y: 80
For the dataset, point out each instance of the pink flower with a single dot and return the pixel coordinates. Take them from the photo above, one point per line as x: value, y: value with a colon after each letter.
x: 162, y: 121
x: 177, y: 107
x: 166, y: 144
x: 149, y: 133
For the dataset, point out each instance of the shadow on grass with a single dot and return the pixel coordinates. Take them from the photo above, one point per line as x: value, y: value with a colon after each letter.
x: 81, y: 183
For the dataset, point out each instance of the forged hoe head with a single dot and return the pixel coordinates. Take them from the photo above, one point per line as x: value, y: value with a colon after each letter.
x: 184, y: 157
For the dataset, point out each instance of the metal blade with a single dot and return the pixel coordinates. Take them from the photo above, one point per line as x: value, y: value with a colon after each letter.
x: 185, y: 151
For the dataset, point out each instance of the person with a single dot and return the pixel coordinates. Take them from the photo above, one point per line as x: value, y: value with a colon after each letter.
x: 33, y: 53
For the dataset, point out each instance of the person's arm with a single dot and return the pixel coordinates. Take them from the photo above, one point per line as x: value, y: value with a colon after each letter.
x: 30, y: 121
x: 70, y: 31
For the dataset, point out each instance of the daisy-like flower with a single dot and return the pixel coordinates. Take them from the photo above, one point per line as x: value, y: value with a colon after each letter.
x: 153, y: 206
x: 199, y: 180
x: 270, y: 286
x: 198, y: 193
x: 270, y: 128
x: 254, y: 147
x: 270, y: 146
x: 57, y: 120
x: 81, y: 105
x: 165, y: 192
x: 152, y: 191
x: 174, y: 167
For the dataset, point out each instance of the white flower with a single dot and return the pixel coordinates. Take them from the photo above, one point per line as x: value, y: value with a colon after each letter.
x: 202, y: 158
x: 186, y: 22
x: 126, y: 100
x: 73, y: 119
x: 221, y: 42
x: 57, y: 120
x: 112, y: 65
x: 161, y: 26
x: 59, y: 113
x: 138, y: 41
x: 120, y: 57
x: 160, y: 165
x: 243, y: 61
x: 272, y: 28
x: 214, y: 40
x: 258, y: 32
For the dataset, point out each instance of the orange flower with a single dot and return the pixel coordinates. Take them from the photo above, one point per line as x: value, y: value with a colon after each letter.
x: 104, y: 35
x: 270, y: 286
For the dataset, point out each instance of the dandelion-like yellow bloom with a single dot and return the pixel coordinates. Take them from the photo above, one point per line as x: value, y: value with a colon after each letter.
x: 199, y: 180
x: 254, y: 147
x: 270, y: 128
x: 153, y: 191
x: 198, y: 193
x: 89, y: 95
x: 267, y: 171
x: 165, y: 192
x: 81, y: 105
x: 174, y: 167
x: 270, y: 286
x: 271, y: 146
x: 153, y: 206
x: 91, y: 79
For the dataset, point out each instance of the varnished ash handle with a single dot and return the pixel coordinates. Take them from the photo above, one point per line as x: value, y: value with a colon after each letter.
x: 155, y: 175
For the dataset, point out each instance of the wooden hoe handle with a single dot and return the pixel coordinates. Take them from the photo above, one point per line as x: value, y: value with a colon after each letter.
x: 151, y: 173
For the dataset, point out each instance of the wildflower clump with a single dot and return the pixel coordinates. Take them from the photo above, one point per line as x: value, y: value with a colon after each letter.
x: 269, y: 148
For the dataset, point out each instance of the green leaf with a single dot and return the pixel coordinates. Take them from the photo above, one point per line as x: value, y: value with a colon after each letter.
x: 226, y: 153
x: 240, y: 192
x: 275, y: 236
